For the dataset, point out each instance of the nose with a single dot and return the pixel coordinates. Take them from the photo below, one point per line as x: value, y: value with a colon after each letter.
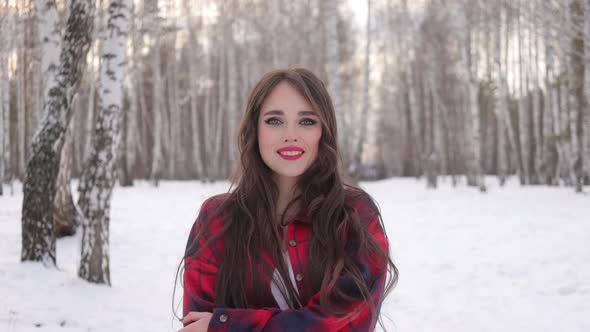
x: 290, y: 135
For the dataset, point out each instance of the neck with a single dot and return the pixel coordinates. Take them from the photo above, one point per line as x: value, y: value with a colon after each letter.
x: 287, y: 192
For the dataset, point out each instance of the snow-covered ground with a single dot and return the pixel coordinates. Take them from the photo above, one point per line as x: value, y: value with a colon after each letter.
x: 514, y: 259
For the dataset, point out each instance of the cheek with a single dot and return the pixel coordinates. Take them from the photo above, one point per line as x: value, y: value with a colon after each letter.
x: 314, y: 139
x: 265, y: 139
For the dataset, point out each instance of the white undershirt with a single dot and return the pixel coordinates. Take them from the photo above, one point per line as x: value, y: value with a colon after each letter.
x: 276, y: 282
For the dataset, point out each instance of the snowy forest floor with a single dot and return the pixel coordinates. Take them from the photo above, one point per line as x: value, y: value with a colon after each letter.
x: 513, y: 259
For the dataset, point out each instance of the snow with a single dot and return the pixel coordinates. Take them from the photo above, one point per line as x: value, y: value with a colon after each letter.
x: 513, y: 259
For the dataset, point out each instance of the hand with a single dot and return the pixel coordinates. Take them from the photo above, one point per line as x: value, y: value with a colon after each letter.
x: 196, y: 321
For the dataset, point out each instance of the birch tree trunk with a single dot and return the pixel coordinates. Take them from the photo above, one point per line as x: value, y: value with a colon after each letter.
x: 157, y: 157
x: 50, y: 38
x: 193, y: 93
x: 549, y: 154
x: 566, y: 161
x: 333, y: 66
x: 501, y: 104
x: 142, y: 132
x: 469, y: 58
x: 564, y: 169
x: 123, y: 173
x: 95, y: 200
x: 92, y: 77
x: 523, y: 109
x: 537, y: 99
x: 20, y: 89
x: 173, y: 100
x: 274, y: 42
x: 131, y: 133
x: 215, y: 165
x: 4, y: 94
x: 38, y: 239
x: 3, y: 133
x: 576, y: 90
x: 414, y: 129
x: 128, y: 115
x: 356, y: 166
x: 233, y: 110
x: 433, y: 138
x: 586, y: 115
x: 208, y: 129
x: 436, y: 151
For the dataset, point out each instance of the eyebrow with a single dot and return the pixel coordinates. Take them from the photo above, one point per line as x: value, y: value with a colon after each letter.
x: 279, y: 112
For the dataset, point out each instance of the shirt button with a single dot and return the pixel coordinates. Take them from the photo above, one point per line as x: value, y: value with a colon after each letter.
x: 223, y: 318
x: 292, y: 243
x: 299, y: 277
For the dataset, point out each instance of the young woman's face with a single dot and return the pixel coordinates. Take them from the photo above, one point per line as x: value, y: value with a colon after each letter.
x: 289, y: 131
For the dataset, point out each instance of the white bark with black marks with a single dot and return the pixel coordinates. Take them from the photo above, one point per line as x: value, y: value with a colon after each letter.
x: 99, y: 169
x: 38, y: 239
x: 50, y: 38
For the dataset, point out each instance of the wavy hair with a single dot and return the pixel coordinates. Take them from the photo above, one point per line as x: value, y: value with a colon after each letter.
x: 250, y: 215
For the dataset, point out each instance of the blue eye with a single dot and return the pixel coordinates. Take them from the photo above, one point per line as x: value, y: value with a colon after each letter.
x: 308, y: 122
x: 273, y: 121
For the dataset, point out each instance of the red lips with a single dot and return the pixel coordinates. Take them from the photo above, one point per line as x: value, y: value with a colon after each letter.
x: 290, y: 152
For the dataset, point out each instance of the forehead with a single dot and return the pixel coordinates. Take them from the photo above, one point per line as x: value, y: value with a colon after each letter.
x: 285, y: 97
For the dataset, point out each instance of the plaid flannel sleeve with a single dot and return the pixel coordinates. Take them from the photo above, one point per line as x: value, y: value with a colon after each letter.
x: 199, y: 279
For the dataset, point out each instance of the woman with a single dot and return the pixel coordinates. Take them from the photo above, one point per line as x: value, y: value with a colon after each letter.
x: 291, y: 248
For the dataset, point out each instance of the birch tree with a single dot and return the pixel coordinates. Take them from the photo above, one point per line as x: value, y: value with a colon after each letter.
x: 333, y: 66
x: 469, y: 60
x: 94, y: 200
x: 232, y: 94
x: 193, y: 90
x: 174, y: 145
x: 364, y: 119
x: 38, y: 239
x: 50, y: 38
x: 550, y: 148
x: 501, y: 101
x: 157, y: 157
x: 575, y: 68
x: 586, y: 114
x: 523, y: 106
x: 414, y: 128
x: 20, y: 87
x: 4, y: 92
x: 131, y: 134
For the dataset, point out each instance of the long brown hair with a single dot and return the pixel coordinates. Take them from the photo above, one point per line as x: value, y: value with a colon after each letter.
x: 251, y: 225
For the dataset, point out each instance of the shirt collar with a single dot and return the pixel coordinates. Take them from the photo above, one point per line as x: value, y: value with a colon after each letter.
x: 302, y: 216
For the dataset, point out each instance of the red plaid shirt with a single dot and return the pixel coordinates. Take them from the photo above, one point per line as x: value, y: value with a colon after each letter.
x: 201, y: 271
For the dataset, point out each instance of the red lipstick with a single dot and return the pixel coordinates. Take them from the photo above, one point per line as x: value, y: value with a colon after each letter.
x: 290, y: 152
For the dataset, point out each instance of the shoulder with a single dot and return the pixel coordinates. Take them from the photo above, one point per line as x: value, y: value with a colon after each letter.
x: 212, y: 204
x: 210, y: 216
x: 208, y: 223
x: 362, y: 203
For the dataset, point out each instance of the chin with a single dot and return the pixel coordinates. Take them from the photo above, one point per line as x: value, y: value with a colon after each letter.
x: 289, y: 174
